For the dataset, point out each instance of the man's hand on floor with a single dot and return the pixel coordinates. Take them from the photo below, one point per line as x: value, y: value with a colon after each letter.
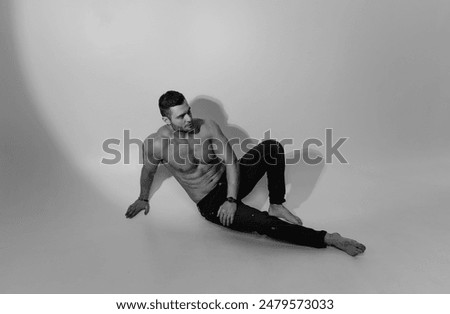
x: 226, y: 213
x: 136, y: 207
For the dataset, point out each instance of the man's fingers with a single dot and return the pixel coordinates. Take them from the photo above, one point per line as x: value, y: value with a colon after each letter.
x: 222, y: 217
x: 129, y: 210
x: 132, y: 211
x: 226, y: 218
x: 231, y: 219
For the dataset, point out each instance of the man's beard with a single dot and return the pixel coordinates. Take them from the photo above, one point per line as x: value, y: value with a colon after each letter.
x: 182, y: 129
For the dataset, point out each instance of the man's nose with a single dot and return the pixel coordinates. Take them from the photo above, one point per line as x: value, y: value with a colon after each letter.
x: 188, y: 118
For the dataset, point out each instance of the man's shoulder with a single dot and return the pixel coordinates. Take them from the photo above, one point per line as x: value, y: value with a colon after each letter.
x: 208, y: 121
x: 156, y: 138
x: 162, y: 132
x: 212, y: 127
x: 209, y: 124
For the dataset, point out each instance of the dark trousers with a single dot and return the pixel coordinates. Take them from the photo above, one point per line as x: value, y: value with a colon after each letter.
x: 265, y: 158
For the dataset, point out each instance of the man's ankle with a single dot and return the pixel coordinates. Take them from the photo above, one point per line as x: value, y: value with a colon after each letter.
x: 330, y: 238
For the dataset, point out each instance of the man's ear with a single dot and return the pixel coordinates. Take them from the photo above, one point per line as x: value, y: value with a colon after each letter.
x: 166, y: 120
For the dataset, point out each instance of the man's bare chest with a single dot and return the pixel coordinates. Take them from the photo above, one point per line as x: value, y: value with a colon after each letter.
x: 186, y: 155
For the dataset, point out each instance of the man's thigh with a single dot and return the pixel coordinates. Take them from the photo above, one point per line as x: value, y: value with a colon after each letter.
x: 250, y: 219
x: 246, y: 218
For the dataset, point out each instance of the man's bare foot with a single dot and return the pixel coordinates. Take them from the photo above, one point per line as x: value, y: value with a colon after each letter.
x: 349, y: 246
x: 282, y: 212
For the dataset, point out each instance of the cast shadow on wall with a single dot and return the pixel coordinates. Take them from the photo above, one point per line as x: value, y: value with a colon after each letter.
x: 301, y: 178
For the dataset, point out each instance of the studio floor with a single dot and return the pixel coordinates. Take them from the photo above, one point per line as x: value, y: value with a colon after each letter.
x: 66, y: 237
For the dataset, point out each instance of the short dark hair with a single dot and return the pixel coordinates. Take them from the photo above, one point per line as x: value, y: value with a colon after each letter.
x: 170, y: 99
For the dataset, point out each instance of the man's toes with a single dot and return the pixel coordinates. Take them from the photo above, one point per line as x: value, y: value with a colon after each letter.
x: 358, y: 251
x: 353, y: 253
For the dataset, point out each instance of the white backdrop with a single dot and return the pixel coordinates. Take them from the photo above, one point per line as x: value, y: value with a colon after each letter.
x: 375, y: 72
x: 75, y: 73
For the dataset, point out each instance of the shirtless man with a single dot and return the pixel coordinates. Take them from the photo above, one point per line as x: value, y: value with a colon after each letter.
x: 200, y: 158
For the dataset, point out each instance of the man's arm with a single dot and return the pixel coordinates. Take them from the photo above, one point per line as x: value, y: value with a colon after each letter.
x: 224, y: 150
x: 151, y: 159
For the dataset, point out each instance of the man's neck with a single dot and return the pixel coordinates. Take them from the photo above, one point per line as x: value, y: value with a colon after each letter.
x: 186, y: 134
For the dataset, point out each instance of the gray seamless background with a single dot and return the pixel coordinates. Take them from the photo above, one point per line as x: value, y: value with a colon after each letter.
x: 74, y: 73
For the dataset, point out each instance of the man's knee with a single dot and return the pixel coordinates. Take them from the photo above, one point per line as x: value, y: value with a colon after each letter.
x: 272, y: 145
x: 271, y: 142
x: 272, y: 150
